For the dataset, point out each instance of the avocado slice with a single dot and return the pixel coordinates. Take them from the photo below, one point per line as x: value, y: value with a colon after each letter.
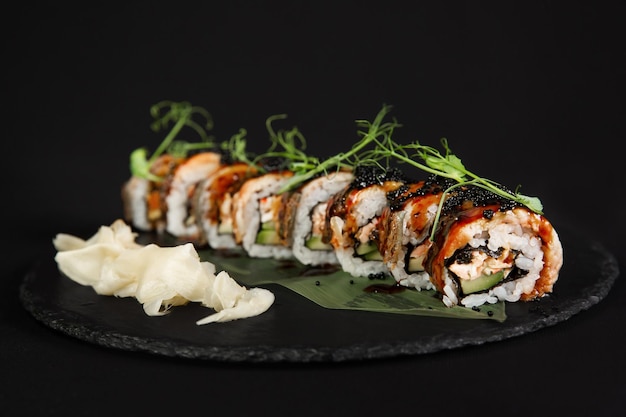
x: 315, y: 243
x: 481, y: 283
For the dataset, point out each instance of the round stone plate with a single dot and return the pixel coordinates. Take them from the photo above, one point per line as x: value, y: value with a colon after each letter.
x: 295, y: 329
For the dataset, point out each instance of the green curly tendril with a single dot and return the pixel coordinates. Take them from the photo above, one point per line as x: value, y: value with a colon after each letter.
x: 370, y: 131
x: 181, y: 115
x: 376, y: 147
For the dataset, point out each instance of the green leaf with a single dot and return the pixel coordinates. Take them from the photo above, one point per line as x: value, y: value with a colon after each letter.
x: 335, y: 289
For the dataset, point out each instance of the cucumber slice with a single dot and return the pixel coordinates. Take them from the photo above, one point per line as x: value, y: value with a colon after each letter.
x: 315, y: 243
x: 373, y: 256
x: 267, y: 237
x: 269, y: 225
x: 481, y: 283
x: 365, y: 248
x: 225, y: 229
x: 416, y: 264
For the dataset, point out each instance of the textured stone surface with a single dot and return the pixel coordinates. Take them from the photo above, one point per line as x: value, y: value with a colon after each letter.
x: 296, y: 330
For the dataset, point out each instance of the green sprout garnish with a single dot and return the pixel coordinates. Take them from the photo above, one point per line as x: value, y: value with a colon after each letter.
x: 376, y: 147
x: 288, y: 144
x: 237, y: 147
x: 450, y: 166
x: 358, y: 154
x: 181, y: 114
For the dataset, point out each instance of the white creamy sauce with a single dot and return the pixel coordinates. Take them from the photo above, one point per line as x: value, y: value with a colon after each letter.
x: 158, y: 277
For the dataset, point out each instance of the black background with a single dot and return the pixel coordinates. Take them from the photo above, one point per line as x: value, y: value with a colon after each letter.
x: 526, y: 93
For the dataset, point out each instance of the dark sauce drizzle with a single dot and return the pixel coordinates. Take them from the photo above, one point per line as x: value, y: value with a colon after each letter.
x: 384, y: 288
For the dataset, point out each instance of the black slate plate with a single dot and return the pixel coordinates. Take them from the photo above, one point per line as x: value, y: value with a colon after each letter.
x: 295, y: 329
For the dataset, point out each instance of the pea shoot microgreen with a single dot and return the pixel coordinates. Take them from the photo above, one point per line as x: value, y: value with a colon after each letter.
x: 237, y: 147
x: 357, y: 154
x: 448, y: 165
x: 375, y: 147
x: 289, y: 145
x: 181, y: 115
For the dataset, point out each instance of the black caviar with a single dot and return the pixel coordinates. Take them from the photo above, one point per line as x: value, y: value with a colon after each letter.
x: 367, y: 175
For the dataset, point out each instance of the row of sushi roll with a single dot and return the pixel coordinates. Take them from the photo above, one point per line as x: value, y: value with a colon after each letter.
x: 470, y: 239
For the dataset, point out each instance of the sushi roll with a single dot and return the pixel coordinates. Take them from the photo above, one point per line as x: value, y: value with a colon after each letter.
x: 352, y: 217
x: 213, y: 201
x: 179, y: 188
x: 404, y: 230
x: 304, y: 218
x: 143, y: 197
x: 256, y: 208
x: 488, y: 249
x: 162, y: 203
x: 157, y: 197
x: 135, y: 194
